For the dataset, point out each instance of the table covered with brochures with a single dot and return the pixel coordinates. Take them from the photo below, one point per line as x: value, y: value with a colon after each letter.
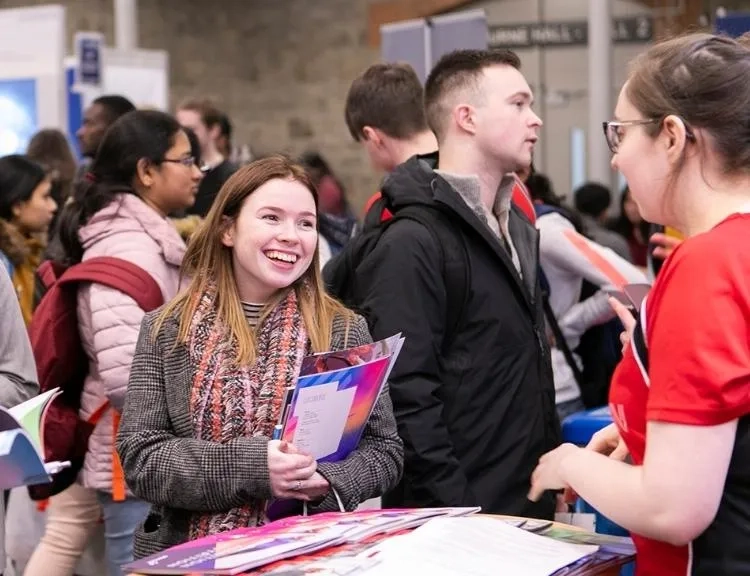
x: 435, y: 541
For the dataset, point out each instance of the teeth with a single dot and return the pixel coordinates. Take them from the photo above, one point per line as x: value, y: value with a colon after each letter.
x: 275, y: 255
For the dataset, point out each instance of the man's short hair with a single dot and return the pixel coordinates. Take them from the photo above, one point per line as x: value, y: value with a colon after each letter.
x: 114, y: 106
x: 592, y: 199
x: 458, y: 70
x: 388, y: 97
x: 209, y: 113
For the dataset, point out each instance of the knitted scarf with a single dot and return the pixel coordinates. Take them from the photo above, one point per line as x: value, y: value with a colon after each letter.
x: 229, y: 401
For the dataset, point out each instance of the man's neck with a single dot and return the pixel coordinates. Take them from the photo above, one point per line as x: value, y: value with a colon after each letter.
x: 422, y: 143
x: 457, y: 159
x: 212, y: 158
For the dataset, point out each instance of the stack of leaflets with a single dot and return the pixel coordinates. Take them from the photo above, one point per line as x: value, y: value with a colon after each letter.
x: 248, y: 548
x: 21, y: 450
x: 478, y: 545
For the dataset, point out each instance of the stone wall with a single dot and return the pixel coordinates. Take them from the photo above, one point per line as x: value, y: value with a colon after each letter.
x: 280, y: 68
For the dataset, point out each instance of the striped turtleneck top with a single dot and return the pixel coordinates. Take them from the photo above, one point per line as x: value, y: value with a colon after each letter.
x: 252, y: 312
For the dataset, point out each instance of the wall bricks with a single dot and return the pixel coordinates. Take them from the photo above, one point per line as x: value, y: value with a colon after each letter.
x: 280, y: 68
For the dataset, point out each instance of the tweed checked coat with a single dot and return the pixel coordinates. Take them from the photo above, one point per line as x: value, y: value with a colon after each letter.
x: 178, y: 474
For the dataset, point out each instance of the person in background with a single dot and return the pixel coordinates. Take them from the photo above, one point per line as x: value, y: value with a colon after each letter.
x: 26, y: 211
x: 592, y: 200
x: 385, y: 114
x: 97, y: 118
x: 568, y: 259
x: 18, y: 378
x: 633, y: 228
x: 211, y: 367
x: 204, y: 119
x: 187, y: 224
x: 142, y: 172
x: 679, y: 398
x: 51, y: 149
x: 662, y: 242
x: 336, y: 220
x: 665, y: 242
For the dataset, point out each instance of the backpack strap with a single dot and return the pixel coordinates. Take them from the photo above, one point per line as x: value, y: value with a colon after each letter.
x: 452, y: 251
x: 374, y: 211
x: 133, y: 281
x: 120, y: 275
x: 560, y: 342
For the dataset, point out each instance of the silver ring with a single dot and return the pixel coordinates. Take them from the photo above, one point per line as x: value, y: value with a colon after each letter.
x: 298, y: 486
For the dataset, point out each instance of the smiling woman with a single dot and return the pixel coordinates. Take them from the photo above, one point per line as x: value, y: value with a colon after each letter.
x: 274, y: 238
x: 211, y: 369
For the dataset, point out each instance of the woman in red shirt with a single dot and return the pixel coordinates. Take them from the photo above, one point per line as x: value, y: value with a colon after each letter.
x: 680, y: 397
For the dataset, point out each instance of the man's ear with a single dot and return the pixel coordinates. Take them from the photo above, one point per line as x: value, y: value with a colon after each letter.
x: 214, y: 132
x: 372, y: 135
x: 465, y: 117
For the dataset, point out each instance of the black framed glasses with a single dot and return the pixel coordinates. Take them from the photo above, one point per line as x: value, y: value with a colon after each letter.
x: 613, y: 130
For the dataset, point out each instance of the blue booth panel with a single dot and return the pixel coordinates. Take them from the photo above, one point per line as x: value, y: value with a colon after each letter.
x: 579, y: 428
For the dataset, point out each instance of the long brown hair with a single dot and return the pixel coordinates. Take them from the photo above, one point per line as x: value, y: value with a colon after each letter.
x: 208, y: 261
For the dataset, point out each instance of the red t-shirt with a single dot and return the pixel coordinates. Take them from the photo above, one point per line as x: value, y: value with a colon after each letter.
x: 698, y: 337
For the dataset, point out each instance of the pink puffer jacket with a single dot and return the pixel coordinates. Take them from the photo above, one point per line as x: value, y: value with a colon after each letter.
x: 109, y: 321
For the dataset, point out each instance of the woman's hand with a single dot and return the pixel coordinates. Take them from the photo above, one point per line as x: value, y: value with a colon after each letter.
x: 548, y: 473
x: 609, y: 442
x: 288, y: 469
x: 314, y: 489
x: 606, y: 441
x: 626, y: 317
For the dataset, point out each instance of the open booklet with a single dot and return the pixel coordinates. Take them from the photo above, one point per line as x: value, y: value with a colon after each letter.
x: 326, y: 412
x: 21, y: 450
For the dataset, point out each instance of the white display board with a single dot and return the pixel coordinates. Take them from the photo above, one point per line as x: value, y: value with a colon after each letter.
x: 32, y: 80
x: 142, y: 76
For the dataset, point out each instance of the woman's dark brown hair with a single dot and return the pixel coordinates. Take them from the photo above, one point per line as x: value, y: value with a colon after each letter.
x: 705, y: 80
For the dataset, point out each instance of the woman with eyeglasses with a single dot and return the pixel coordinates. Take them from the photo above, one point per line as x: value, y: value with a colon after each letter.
x: 143, y: 171
x: 680, y: 398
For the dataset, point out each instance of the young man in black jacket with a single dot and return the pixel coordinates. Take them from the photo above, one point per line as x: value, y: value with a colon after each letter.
x: 457, y: 272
